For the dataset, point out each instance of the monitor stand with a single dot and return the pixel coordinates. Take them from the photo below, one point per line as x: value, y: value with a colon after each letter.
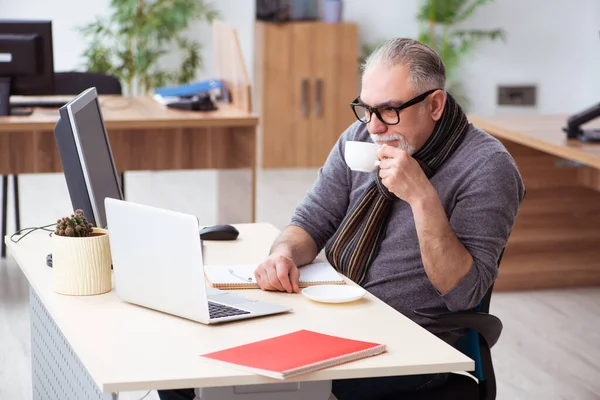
x: 589, y: 135
x: 5, y: 108
x: 4, y: 96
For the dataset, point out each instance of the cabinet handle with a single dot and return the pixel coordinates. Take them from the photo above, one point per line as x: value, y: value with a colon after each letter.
x: 304, y: 97
x: 318, y: 98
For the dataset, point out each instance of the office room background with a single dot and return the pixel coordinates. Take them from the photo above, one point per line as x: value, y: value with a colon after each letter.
x: 552, y: 46
x: 549, y: 347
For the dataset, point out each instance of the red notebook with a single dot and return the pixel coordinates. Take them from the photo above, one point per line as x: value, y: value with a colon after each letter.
x: 295, y: 353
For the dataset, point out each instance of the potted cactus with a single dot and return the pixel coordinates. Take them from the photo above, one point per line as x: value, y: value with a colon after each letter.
x: 81, y: 257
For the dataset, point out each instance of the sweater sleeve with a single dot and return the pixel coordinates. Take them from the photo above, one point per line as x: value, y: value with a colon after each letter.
x: 482, y: 220
x: 324, y: 206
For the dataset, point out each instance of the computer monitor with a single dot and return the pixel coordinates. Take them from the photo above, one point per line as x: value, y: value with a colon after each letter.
x: 86, y: 156
x: 26, y: 60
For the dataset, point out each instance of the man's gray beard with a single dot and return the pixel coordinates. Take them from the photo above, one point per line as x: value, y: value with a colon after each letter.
x: 402, y: 145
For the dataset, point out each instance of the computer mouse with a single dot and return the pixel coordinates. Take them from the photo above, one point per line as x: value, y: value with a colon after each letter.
x: 219, y: 232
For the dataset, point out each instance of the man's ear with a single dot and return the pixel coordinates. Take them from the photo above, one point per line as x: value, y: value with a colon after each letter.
x: 437, y: 101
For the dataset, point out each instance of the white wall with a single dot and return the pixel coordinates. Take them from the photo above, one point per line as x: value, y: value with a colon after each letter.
x: 553, y: 44
x: 383, y: 19
x: 66, y: 15
x: 240, y: 15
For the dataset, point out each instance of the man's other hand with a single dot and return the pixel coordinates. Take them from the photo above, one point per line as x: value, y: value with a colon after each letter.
x: 402, y: 175
x: 278, y: 272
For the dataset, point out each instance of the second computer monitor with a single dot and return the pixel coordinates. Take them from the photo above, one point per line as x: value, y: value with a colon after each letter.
x: 86, y: 156
x: 26, y: 60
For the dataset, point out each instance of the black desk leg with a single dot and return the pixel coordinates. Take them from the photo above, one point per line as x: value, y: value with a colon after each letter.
x: 4, y: 209
x: 123, y: 184
x: 16, y: 197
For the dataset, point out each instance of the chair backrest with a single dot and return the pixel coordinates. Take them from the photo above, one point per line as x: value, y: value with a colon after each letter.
x: 73, y: 83
x: 471, y: 344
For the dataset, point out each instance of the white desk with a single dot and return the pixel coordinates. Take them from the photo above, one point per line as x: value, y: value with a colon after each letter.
x: 100, y: 345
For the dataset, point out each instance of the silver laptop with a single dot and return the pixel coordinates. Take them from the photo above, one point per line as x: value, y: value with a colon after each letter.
x: 157, y: 262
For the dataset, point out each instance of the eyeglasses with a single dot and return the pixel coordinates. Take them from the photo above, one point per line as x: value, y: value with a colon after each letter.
x: 388, y: 115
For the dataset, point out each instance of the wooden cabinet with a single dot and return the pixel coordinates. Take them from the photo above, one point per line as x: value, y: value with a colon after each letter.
x: 306, y: 75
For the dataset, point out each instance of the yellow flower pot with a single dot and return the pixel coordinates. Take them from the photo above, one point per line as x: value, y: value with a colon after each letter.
x: 81, y: 265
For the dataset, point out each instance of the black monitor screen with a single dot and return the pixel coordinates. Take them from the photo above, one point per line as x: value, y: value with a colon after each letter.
x: 28, y: 59
x: 98, y: 164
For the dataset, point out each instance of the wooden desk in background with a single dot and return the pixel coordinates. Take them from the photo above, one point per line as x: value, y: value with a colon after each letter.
x: 144, y: 135
x: 556, y: 239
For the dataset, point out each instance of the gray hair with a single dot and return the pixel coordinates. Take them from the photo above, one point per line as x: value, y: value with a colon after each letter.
x: 426, y: 69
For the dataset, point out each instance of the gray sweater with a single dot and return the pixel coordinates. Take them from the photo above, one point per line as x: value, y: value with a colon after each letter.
x: 480, y: 189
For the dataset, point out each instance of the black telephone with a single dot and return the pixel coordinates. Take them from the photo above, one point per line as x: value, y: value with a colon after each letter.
x: 573, y: 128
x: 200, y: 102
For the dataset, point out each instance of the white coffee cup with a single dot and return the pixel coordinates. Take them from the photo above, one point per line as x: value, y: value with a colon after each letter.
x: 361, y: 156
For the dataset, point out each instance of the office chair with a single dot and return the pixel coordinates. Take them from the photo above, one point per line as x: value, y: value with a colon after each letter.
x: 483, y: 331
x: 65, y: 83
x: 73, y: 83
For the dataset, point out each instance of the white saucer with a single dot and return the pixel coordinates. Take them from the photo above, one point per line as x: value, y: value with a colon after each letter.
x: 334, y: 293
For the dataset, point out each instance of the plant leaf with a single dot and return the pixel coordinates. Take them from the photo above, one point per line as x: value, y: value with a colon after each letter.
x: 479, y: 35
x: 135, y: 39
x: 470, y: 9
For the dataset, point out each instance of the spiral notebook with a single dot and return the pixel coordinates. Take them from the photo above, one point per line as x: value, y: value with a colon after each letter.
x: 241, y: 276
x: 295, y: 353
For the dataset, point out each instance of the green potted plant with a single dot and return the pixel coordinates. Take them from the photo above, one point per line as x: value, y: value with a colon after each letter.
x: 140, y: 38
x: 81, y: 258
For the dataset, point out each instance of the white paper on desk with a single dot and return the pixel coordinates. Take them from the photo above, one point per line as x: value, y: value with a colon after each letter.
x: 165, y: 100
x: 242, y: 275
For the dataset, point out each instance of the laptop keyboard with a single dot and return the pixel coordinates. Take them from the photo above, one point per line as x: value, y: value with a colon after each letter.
x: 216, y: 310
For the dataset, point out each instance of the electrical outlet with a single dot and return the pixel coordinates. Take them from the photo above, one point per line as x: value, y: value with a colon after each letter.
x: 516, y: 95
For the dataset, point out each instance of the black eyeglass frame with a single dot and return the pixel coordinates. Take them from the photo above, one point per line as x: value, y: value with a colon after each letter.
x: 373, y: 110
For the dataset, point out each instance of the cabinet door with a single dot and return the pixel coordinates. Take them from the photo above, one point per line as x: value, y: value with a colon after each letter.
x: 283, y: 74
x: 335, y: 76
x: 301, y: 91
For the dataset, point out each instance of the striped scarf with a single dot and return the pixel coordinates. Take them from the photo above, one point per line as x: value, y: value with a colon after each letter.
x: 356, y: 242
